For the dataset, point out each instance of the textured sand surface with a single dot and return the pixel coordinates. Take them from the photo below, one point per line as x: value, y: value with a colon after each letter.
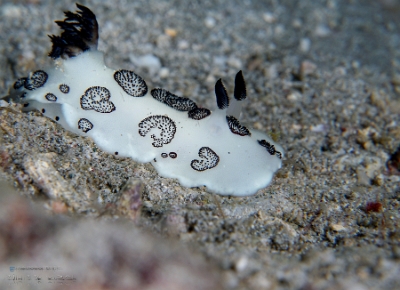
x: 323, y: 76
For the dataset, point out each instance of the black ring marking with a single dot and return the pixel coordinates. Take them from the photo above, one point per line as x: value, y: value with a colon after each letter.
x: 19, y: 83
x: 236, y: 127
x: 165, y: 124
x: 173, y: 101
x: 97, y: 98
x: 209, y: 159
x: 199, y: 113
x: 270, y: 148
x: 131, y: 83
x: 51, y: 97
x: 36, y: 80
x: 85, y: 125
x: 64, y: 88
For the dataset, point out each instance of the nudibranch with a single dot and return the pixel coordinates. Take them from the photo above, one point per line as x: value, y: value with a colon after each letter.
x: 115, y: 108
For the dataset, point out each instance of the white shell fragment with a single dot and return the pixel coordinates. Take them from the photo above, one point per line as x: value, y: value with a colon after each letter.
x: 195, y: 145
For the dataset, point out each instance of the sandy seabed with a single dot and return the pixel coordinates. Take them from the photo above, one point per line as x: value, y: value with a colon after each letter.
x: 322, y: 76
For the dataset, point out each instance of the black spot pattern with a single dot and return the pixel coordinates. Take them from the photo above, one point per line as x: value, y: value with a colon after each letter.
x: 131, y: 83
x: 50, y: 97
x: 236, y: 127
x: 165, y: 124
x: 159, y: 94
x: 97, y: 98
x: 173, y: 101
x: 270, y: 148
x: 199, y: 113
x: 64, y: 88
x: 173, y: 155
x: 19, y: 83
x: 209, y: 159
x: 222, y: 95
x: 36, y: 80
x: 85, y: 125
x: 164, y: 155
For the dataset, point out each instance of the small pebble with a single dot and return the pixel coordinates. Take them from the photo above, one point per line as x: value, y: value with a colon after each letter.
x: 338, y: 228
x: 235, y: 62
x: 149, y: 61
x: 294, y: 96
x: 305, y: 44
x: 210, y: 22
x: 183, y: 44
x: 241, y: 264
x: 322, y: 30
x: 307, y: 68
x: 164, y: 72
x: 320, y: 128
x: 269, y: 17
x: 171, y: 32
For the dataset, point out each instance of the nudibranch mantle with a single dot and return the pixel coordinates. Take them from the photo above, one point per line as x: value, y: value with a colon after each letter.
x: 115, y: 108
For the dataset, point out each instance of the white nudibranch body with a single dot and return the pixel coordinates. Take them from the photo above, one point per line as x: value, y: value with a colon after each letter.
x: 115, y: 108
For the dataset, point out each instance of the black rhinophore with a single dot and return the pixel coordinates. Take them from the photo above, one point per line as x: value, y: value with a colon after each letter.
x: 240, y: 87
x: 222, y: 95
